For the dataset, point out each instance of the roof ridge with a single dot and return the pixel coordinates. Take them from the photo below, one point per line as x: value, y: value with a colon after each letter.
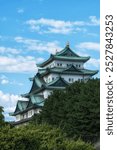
x: 67, y: 48
x: 22, y: 101
x: 56, y: 80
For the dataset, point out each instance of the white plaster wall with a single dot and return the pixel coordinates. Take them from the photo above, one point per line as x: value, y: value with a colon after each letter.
x: 46, y: 93
x: 30, y: 113
x: 25, y: 115
x: 47, y: 78
x: 64, y: 64
x: 17, y: 117
x: 50, y: 65
x: 73, y: 78
x: 37, y: 110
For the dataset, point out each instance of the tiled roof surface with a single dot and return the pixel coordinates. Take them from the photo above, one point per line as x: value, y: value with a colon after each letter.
x: 65, y: 54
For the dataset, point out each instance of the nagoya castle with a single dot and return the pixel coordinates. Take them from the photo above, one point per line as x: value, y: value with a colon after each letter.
x: 57, y: 72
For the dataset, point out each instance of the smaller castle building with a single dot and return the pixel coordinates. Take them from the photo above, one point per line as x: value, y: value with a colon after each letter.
x: 60, y: 70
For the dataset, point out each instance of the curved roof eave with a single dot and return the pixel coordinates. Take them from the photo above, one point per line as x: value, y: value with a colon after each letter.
x: 63, y: 58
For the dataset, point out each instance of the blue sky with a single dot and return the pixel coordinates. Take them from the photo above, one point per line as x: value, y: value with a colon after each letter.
x: 31, y: 30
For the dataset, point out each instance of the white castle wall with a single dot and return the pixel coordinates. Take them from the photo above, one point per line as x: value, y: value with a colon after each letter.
x: 67, y: 77
x: 57, y: 63
x: 46, y: 93
x: 27, y: 114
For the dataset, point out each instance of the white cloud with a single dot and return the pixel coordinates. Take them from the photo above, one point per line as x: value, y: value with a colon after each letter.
x: 93, y: 63
x: 94, y: 20
x: 20, y: 10
x: 39, y: 46
x: 89, y: 46
x: 5, y: 50
x: 16, y: 83
x: 3, y: 76
x: 4, y: 81
x: 8, y: 101
x: 44, y: 25
x: 18, y: 63
x: 92, y: 34
x: 81, y: 53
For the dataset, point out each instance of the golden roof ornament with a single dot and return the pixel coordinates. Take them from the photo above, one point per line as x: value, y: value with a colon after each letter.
x: 67, y: 44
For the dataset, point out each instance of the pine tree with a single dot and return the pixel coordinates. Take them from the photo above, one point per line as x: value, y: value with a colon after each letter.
x: 76, y: 110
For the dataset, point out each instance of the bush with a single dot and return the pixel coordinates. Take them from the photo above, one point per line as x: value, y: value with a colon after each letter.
x: 42, y: 137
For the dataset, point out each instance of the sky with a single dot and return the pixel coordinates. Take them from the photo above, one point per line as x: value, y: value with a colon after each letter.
x: 31, y: 30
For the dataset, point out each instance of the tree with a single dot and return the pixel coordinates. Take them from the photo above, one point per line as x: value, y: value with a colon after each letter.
x: 76, y: 111
x: 1, y: 116
x: 41, y: 137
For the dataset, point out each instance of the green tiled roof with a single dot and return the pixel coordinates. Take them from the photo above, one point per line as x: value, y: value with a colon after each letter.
x: 31, y: 79
x: 65, y: 55
x: 34, y: 86
x: 89, y: 72
x: 58, y: 82
x: 37, y: 99
x: 69, y: 70
x: 37, y: 83
x: 21, y: 106
x: 82, y: 59
x: 67, y: 52
x: 72, y: 68
x: 34, y: 100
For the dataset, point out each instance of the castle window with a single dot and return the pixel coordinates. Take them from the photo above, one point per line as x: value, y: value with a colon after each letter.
x: 60, y: 64
x: 79, y: 80
x: 76, y: 65
x: 79, y: 66
x: 69, y: 79
x: 26, y: 115
x: 52, y: 78
x: 69, y: 65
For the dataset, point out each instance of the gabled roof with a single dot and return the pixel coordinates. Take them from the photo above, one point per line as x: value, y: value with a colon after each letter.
x: 35, y: 100
x: 69, y: 70
x: 21, y: 105
x: 65, y: 55
x: 34, y: 86
x: 58, y: 82
x: 89, y: 72
x: 72, y: 68
x: 67, y: 52
x: 37, y: 83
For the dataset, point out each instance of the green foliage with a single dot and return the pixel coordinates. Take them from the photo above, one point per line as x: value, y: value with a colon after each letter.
x: 76, y: 111
x: 41, y: 137
x: 78, y: 145
x: 17, y: 139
